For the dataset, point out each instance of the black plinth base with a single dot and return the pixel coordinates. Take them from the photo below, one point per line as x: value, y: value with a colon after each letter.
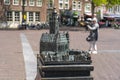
x: 68, y: 78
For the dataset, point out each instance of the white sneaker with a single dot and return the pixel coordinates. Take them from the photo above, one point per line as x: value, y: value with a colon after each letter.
x: 94, y: 52
x: 89, y: 51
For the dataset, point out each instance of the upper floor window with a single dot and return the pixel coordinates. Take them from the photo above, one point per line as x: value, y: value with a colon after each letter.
x: 66, y: 6
x: 39, y: 3
x: 60, y: 4
x: 60, y: 0
x: 31, y: 2
x: 87, y: 7
x: 79, y: 5
x: 7, y: 2
x: 15, y: 2
x: 74, y: 5
x: 50, y: 3
x: 66, y: 1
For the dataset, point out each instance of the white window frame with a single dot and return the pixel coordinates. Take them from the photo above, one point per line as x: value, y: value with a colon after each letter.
x: 31, y: 16
x: 61, y: 2
x: 31, y: 2
x: 87, y: 5
x: 15, y: 2
x: 9, y: 16
x: 37, y: 16
x: 17, y: 16
x: 7, y: 2
x: 79, y: 4
x: 66, y: 2
x: 49, y: 3
x: 74, y: 3
x: 39, y: 3
x: 66, y: 7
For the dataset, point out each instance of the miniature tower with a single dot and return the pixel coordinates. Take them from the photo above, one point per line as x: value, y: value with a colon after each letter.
x: 54, y: 24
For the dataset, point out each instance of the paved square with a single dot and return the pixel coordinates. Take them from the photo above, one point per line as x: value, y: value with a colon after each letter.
x: 106, y: 62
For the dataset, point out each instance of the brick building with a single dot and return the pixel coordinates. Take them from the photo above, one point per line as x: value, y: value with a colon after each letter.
x: 39, y: 10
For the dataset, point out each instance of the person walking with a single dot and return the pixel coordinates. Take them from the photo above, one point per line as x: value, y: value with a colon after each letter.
x: 93, y: 36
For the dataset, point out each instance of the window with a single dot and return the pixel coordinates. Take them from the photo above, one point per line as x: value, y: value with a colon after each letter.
x: 37, y: 16
x: 79, y: 5
x: 66, y: 6
x: 118, y: 8
x: 60, y: 4
x: 30, y: 16
x: 74, y: 5
x: 39, y: 3
x: 31, y: 2
x: 7, y: 2
x: 17, y: 16
x: 15, y: 2
x: 87, y: 7
x: 9, y: 16
x: 66, y: 1
x: 50, y: 3
x: 60, y: 0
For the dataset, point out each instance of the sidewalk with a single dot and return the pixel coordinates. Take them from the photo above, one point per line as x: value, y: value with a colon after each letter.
x: 11, y: 57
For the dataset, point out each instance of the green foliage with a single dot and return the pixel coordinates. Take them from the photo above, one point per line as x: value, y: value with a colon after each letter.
x: 99, y: 2
x: 111, y: 3
x: 108, y: 3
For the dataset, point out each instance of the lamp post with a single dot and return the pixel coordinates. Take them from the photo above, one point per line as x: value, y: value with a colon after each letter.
x: 23, y: 15
x: 92, y: 7
x: 23, y: 11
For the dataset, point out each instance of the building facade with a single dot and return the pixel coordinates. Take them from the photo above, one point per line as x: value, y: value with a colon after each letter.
x: 39, y: 10
x: 35, y: 10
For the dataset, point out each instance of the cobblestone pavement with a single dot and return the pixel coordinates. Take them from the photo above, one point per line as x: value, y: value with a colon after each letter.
x: 106, y: 62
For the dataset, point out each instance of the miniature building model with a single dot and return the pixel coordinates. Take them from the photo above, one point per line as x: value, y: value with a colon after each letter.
x: 56, y: 61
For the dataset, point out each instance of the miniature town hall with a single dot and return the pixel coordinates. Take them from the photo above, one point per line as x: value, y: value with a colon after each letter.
x: 56, y: 61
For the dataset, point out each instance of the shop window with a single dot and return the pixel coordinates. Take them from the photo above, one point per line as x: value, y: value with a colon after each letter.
x: 17, y: 16
x: 30, y: 16
x: 9, y: 16
x: 37, y: 16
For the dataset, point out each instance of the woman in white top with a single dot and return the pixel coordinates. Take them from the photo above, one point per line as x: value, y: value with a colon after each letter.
x: 94, y: 33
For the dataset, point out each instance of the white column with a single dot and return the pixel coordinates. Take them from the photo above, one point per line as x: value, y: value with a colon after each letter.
x: 33, y: 17
x: 101, y: 12
x: 20, y: 17
x: 27, y: 20
x: 13, y: 16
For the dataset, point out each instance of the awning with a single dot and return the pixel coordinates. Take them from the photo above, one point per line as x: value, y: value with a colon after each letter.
x: 112, y: 15
x: 75, y: 14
